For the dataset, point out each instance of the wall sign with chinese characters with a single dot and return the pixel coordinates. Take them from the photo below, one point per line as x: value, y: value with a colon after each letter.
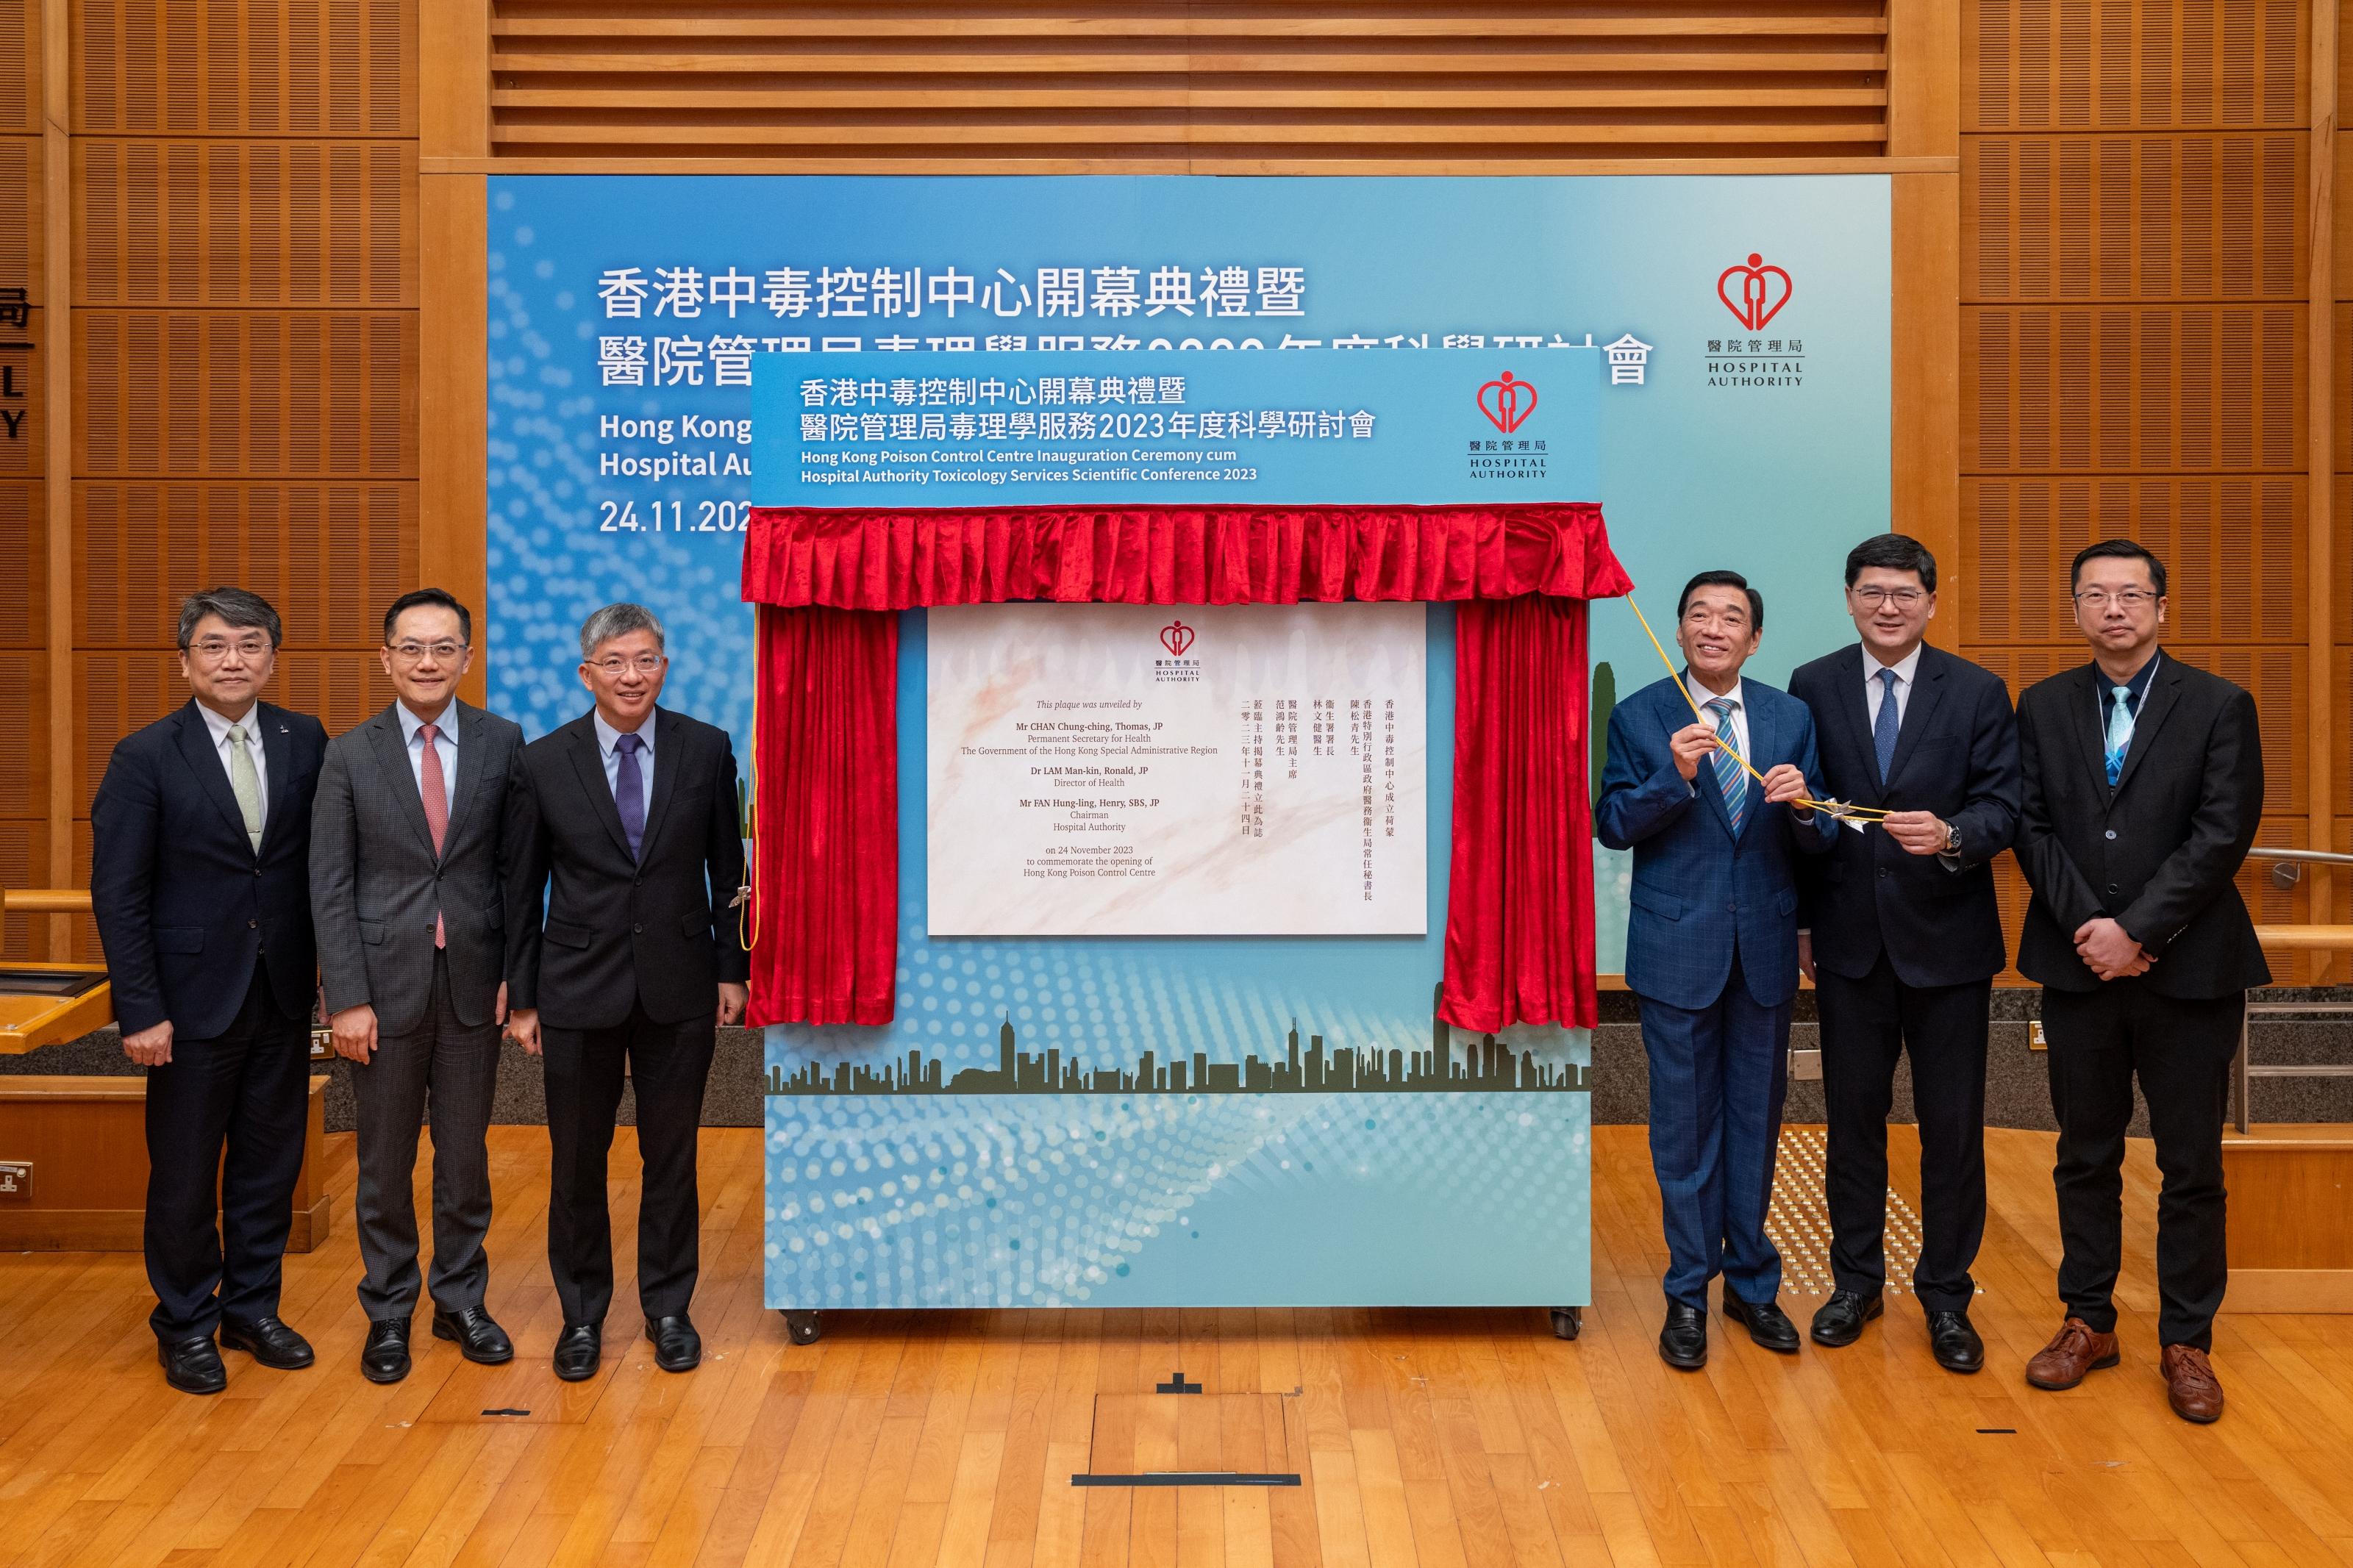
x: 16, y: 375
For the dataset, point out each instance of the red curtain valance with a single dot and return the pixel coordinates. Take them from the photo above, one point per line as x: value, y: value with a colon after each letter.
x: 908, y: 559
x: 1519, y: 917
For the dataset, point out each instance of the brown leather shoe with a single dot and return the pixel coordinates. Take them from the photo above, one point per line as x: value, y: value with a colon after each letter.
x: 2189, y: 1384
x: 2077, y: 1349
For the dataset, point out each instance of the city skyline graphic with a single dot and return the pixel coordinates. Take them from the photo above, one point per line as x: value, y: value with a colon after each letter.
x: 1443, y: 1066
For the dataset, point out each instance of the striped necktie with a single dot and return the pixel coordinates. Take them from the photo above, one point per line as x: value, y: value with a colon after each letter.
x: 1728, y: 777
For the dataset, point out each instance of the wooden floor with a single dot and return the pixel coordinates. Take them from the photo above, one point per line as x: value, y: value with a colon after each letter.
x: 1421, y: 1436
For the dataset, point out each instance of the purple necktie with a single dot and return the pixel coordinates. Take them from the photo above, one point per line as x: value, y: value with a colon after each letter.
x: 630, y: 790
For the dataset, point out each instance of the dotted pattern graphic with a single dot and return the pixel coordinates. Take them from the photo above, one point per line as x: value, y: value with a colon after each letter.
x: 1799, y: 1220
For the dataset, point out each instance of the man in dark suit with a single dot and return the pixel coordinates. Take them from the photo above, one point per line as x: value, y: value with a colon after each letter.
x: 631, y: 812
x: 200, y: 844
x: 1711, y: 949
x: 2144, y: 784
x: 408, y: 869
x: 1904, y: 939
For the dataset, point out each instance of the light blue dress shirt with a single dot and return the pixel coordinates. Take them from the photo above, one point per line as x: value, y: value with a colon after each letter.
x: 605, y: 738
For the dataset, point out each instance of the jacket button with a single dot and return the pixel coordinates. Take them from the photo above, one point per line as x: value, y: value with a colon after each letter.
x: 253, y: 925
x: 640, y: 928
x: 1882, y: 872
x: 257, y: 871
x: 1732, y: 909
x: 2112, y: 886
x: 2112, y: 833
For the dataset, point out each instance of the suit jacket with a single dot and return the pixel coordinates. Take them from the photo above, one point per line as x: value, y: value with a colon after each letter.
x: 2159, y: 851
x: 1956, y: 756
x: 185, y: 906
x: 656, y: 929
x: 376, y: 884
x: 1700, y: 890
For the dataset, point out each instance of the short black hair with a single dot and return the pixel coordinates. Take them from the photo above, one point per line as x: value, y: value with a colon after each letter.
x: 2122, y: 550
x: 1725, y: 579
x: 237, y: 606
x: 423, y: 597
x: 1893, y: 553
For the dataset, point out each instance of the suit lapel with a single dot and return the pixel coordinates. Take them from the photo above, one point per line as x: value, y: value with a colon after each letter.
x: 589, y: 763
x: 1927, y: 691
x: 469, y: 767
x: 2084, y: 710
x: 205, y: 759
x: 278, y: 752
x: 2155, y: 704
x: 666, y: 771
x: 392, y: 760
x: 1853, y: 708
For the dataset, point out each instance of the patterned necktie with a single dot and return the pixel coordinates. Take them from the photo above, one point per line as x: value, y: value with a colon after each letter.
x: 2120, y: 729
x: 246, y: 784
x: 1728, y: 777
x: 1883, y: 727
x: 630, y: 790
x: 436, y: 809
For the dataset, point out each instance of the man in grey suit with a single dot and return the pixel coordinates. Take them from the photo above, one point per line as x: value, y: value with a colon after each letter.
x: 409, y: 862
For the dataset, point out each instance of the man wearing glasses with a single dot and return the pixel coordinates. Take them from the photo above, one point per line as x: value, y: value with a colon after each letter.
x: 200, y: 846
x: 2144, y: 783
x: 625, y: 820
x: 408, y: 865
x: 1904, y: 938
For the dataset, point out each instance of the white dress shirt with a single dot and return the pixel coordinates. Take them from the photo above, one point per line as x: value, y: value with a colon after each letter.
x: 1873, y: 688
x: 607, y: 736
x: 1738, y: 733
x: 444, y: 741
x: 221, y: 725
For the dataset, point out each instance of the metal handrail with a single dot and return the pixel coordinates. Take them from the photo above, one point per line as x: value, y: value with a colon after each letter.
x: 2321, y: 857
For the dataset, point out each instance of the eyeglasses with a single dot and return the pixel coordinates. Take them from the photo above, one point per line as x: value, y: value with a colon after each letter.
x: 212, y: 649
x: 617, y: 667
x: 2100, y: 598
x: 413, y: 652
x: 1901, y: 598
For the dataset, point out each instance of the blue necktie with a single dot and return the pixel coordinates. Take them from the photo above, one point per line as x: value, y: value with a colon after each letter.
x: 1728, y: 777
x: 1883, y: 729
x: 629, y: 791
x: 2120, y: 729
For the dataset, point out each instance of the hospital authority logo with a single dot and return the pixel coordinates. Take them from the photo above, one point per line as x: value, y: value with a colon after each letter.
x: 1507, y: 403
x: 1755, y: 292
x: 1175, y: 670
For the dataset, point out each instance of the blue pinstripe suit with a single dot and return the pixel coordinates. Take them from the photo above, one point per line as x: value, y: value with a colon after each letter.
x: 1712, y: 956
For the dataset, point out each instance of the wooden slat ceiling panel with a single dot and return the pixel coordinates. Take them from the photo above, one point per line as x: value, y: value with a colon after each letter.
x: 2135, y: 217
x: 1327, y: 83
x: 2121, y: 389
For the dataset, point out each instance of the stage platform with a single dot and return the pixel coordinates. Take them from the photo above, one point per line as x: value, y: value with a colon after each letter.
x: 1415, y: 1436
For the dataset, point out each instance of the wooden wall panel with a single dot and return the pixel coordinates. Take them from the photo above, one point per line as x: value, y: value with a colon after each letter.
x: 250, y: 68
x: 20, y: 72
x: 20, y: 211
x: 23, y: 558
x: 223, y: 223
x: 117, y: 692
x: 249, y: 393
x: 24, y: 710
x: 329, y: 556
x: 2135, y: 217
x: 25, y: 451
x: 2031, y: 65
x: 2132, y: 388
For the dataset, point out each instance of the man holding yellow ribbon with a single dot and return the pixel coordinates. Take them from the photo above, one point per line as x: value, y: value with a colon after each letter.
x: 1706, y: 783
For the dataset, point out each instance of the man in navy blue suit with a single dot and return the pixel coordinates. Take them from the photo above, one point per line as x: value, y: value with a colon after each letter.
x: 200, y: 878
x: 1711, y: 949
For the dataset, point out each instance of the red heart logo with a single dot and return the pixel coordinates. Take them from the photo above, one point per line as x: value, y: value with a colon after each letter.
x: 1176, y: 637
x: 1507, y: 403
x: 1757, y: 303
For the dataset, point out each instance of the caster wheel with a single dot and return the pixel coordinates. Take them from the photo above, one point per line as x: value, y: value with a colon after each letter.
x: 803, y: 1328
x: 1567, y: 1323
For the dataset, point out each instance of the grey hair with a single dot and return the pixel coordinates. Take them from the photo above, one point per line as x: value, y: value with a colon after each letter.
x: 235, y: 605
x: 619, y: 621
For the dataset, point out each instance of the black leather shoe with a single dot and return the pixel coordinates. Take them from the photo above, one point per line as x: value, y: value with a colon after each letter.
x: 1767, y: 1324
x: 192, y: 1366
x: 1839, y: 1320
x: 268, y: 1341
x: 578, y: 1348
x: 385, y: 1357
x: 1955, y: 1343
x: 1683, y: 1342
x: 477, y: 1337
x: 676, y: 1347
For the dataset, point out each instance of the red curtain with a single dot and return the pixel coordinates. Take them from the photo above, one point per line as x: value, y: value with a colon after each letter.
x: 1519, y: 934
x: 1519, y: 901
x: 826, y: 916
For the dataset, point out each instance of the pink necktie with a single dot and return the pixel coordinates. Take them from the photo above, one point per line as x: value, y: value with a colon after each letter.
x: 437, y: 810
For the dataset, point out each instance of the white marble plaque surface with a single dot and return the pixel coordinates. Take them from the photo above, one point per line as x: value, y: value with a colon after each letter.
x: 1121, y: 769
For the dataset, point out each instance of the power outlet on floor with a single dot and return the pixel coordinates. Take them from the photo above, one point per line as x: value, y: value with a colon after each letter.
x: 15, y: 1178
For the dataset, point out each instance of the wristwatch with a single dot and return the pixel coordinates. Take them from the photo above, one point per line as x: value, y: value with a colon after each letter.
x: 1952, y: 839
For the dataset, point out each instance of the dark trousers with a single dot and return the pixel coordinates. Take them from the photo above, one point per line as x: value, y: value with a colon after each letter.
x: 448, y: 1070
x: 669, y: 1063
x: 2181, y: 1051
x: 246, y: 1089
x: 1867, y: 1025
x: 1718, y: 1075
